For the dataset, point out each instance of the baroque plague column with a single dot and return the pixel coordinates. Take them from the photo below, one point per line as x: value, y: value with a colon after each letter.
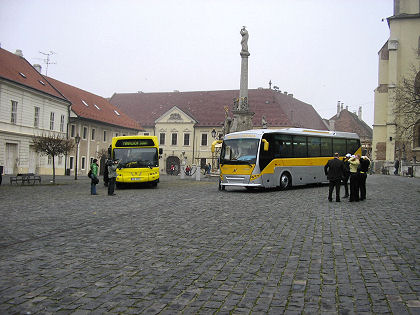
x: 242, y: 117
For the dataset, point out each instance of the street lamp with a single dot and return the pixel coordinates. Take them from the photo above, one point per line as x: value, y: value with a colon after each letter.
x: 213, y: 133
x: 77, y: 140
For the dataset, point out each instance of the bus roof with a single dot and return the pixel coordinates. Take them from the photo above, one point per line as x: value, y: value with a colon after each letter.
x: 258, y: 133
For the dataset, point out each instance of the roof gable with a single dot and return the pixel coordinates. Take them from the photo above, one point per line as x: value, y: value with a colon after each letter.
x: 175, y: 115
x: 349, y: 122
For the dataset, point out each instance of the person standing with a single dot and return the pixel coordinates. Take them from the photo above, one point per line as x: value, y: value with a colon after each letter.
x: 364, y: 168
x: 334, y: 170
x: 354, y: 178
x: 396, y: 166
x: 346, y: 175
x: 112, y: 175
x: 94, y: 177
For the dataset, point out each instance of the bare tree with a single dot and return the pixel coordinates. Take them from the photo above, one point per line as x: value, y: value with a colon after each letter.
x: 407, y: 109
x: 52, y: 145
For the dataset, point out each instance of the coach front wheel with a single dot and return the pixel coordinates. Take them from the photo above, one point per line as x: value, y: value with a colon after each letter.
x: 285, y: 181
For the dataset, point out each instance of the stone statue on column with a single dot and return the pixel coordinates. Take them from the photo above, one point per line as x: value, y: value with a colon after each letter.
x: 244, y: 41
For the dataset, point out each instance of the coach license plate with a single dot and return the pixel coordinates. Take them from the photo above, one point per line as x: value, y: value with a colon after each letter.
x: 135, y: 178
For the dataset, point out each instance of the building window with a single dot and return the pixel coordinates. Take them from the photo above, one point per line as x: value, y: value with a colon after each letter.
x: 85, y: 131
x: 162, y: 138
x: 186, y: 139
x: 92, y: 135
x: 52, y: 121
x: 73, y: 131
x: 83, y: 162
x: 204, y: 139
x: 71, y: 162
x: 36, y: 117
x: 174, y: 138
x: 49, y: 160
x: 146, y: 134
x: 104, y: 135
x: 60, y: 160
x: 13, y: 117
x: 116, y: 134
x: 62, y: 123
x: 91, y: 161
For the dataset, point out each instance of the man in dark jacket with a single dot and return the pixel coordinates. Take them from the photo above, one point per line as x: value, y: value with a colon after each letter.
x: 364, y: 168
x: 334, y: 170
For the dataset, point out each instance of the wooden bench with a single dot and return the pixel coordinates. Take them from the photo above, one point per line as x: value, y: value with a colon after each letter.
x: 27, y: 178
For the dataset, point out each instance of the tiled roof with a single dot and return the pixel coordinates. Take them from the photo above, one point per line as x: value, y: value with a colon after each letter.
x: 349, y: 122
x: 207, y: 107
x: 17, y: 69
x: 94, y: 107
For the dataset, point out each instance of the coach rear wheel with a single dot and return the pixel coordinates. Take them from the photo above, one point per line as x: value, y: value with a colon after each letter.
x: 285, y: 181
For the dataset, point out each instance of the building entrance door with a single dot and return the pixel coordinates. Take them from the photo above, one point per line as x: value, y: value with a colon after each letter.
x: 11, y: 158
x: 32, y: 160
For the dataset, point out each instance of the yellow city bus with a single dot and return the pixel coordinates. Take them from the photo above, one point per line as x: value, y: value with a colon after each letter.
x: 139, y: 159
x: 281, y: 157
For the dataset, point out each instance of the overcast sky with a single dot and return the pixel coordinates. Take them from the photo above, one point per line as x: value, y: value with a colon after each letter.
x: 322, y: 51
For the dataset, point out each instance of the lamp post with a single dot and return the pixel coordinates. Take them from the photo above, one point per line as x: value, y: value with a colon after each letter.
x: 77, y: 140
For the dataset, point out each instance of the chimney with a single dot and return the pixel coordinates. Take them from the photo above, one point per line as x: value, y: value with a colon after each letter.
x: 338, y: 107
x: 19, y: 53
x: 347, y: 107
x: 359, y: 114
x: 342, y: 105
x: 38, y: 67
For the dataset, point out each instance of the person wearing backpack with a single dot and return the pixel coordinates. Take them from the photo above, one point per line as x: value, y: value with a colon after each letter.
x: 94, y: 176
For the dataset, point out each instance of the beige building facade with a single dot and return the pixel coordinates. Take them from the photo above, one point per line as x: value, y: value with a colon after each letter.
x: 397, y: 59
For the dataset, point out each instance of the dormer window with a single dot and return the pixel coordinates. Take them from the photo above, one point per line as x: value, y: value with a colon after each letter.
x: 86, y: 104
x: 24, y: 76
x: 117, y: 113
x: 97, y: 107
x: 41, y: 82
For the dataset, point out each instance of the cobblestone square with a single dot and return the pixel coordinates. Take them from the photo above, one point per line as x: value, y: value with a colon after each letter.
x: 185, y: 247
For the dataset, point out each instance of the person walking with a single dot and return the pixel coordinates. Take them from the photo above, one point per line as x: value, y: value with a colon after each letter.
x: 346, y: 175
x: 112, y: 175
x: 334, y: 170
x: 94, y: 177
x: 364, y: 168
x: 354, y: 178
x: 396, y: 166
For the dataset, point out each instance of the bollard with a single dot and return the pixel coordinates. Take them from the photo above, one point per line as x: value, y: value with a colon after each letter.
x: 198, y: 173
x: 182, y: 171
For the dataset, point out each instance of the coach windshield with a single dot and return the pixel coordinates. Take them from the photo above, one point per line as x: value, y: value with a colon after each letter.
x: 239, y: 151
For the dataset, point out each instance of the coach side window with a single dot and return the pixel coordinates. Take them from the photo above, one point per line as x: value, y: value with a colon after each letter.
x: 314, y: 146
x: 326, y: 147
x: 299, y: 146
x: 353, y: 145
x: 339, y: 145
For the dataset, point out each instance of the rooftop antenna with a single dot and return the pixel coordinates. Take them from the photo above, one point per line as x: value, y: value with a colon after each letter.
x: 47, y: 60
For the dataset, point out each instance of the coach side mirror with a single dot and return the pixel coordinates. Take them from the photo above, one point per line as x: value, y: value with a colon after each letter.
x: 266, y: 144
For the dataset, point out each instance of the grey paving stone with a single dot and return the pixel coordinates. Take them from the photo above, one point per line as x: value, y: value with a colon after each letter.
x: 186, y: 247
